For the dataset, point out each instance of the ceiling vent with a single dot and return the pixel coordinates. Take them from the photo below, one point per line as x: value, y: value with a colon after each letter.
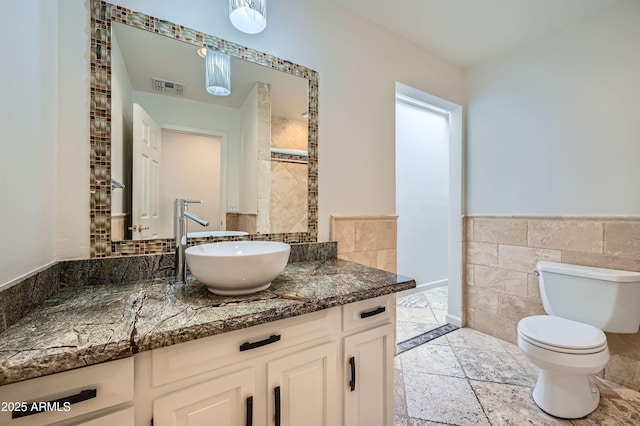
x: 166, y: 86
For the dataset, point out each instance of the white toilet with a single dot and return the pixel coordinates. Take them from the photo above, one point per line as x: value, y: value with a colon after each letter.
x: 569, y: 345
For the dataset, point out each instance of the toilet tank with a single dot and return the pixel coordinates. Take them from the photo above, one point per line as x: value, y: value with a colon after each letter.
x: 605, y: 298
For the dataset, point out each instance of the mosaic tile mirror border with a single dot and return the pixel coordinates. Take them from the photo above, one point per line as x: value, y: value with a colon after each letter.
x: 102, y: 15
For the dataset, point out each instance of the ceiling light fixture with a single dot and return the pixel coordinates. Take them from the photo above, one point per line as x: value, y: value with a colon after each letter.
x: 218, y: 70
x: 249, y: 16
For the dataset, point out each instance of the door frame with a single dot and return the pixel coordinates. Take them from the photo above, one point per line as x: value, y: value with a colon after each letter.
x: 456, y: 194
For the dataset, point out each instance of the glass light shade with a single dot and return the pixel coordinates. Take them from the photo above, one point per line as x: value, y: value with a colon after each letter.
x: 218, y: 70
x: 249, y: 16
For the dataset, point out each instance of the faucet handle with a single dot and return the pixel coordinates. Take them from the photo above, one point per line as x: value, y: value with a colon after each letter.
x: 192, y: 201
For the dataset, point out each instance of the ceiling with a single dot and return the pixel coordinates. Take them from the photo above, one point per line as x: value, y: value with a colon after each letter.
x: 466, y: 32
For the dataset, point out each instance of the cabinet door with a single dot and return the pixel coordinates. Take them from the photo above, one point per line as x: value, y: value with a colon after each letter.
x: 369, y: 377
x: 302, y: 388
x: 224, y: 401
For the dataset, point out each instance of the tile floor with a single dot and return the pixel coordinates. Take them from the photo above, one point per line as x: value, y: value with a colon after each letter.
x: 418, y: 313
x: 470, y: 378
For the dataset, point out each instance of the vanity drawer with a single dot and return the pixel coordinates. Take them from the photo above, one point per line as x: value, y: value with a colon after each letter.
x: 94, y: 388
x: 199, y: 356
x: 368, y: 312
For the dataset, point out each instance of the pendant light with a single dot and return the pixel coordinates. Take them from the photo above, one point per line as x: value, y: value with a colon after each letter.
x: 218, y: 70
x: 249, y: 16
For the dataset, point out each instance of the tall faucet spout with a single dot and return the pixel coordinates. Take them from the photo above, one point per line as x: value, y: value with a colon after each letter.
x: 196, y: 218
x: 181, y: 214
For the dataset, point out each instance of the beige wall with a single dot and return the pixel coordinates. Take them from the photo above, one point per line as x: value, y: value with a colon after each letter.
x: 369, y: 240
x: 500, y: 255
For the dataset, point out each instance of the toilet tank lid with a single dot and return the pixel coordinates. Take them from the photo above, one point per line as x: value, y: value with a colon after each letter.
x: 592, y: 272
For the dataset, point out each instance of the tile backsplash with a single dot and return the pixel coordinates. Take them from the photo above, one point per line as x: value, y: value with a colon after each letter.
x: 500, y: 254
x: 368, y: 240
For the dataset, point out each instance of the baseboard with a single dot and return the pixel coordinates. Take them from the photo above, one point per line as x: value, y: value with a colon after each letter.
x: 424, y: 287
x: 457, y: 321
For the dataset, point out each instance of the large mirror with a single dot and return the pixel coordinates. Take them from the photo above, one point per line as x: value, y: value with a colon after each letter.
x: 251, y: 156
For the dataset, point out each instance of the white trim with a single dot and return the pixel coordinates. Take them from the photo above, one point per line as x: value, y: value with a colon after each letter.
x: 454, y: 320
x: 420, y: 104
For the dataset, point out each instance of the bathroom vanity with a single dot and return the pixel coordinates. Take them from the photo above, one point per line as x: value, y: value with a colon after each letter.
x: 316, y: 348
x: 102, y: 342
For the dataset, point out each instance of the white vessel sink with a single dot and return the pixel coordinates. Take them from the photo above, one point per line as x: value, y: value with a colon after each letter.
x: 237, y: 267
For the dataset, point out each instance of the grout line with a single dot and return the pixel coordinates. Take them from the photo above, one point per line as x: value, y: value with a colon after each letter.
x: 424, y: 338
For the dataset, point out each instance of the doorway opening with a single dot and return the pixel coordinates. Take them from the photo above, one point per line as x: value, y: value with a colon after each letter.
x: 428, y: 205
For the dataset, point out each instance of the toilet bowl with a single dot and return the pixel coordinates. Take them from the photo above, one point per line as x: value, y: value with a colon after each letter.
x: 569, y: 345
x: 568, y: 353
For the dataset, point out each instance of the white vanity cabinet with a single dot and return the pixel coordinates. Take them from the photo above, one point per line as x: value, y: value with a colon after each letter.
x: 299, y: 390
x: 283, y: 373
x: 369, y: 348
x: 293, y: 372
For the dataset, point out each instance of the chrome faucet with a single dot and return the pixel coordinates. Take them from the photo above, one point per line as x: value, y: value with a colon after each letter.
x: 180, y: 215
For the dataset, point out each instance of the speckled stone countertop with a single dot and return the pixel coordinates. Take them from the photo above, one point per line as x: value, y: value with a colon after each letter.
x: 88, y: 325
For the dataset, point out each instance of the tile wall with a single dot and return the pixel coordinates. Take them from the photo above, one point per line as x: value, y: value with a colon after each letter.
x: 369, y: 240
x: 500, y: 288
x: 288, y: 197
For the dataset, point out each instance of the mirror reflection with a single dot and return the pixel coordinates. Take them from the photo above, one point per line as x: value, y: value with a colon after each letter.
x: 244, y: 155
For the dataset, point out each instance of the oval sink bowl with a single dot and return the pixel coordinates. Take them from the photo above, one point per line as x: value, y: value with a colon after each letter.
x: 237, y: 267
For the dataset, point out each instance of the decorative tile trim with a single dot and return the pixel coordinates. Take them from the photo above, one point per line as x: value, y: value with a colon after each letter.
x: 424, y: 338
x: 102, y: 15
x: 292, y: 158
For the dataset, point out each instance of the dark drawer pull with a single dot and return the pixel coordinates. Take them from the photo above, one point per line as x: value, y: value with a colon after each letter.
x: 376, y: 311
x: 249, y: 421
x: 352, y: 382
x: 248, y: 346
x: 276, y: 398
x: 31, y: 408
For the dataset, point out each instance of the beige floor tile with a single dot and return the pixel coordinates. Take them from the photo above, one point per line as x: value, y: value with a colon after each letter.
x: 440, y: 315
x: 442, y: 399
x: 438, y: 297
x: 472, y: 339
x: 511, y: 405
x: 433, y: 359
x: 414, y: 300
x: 421, y: 315
x: 490, y: 366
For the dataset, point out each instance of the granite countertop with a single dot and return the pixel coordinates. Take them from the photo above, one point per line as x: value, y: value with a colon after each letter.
x: 87, y: 325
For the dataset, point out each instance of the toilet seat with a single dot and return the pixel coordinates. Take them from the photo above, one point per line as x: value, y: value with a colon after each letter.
x: 562, y: 335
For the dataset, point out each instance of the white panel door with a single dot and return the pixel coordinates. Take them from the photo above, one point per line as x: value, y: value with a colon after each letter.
x: 147, y: 154
x: 369, y: 377
x: 225, y: 401
x: 302, y: 387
